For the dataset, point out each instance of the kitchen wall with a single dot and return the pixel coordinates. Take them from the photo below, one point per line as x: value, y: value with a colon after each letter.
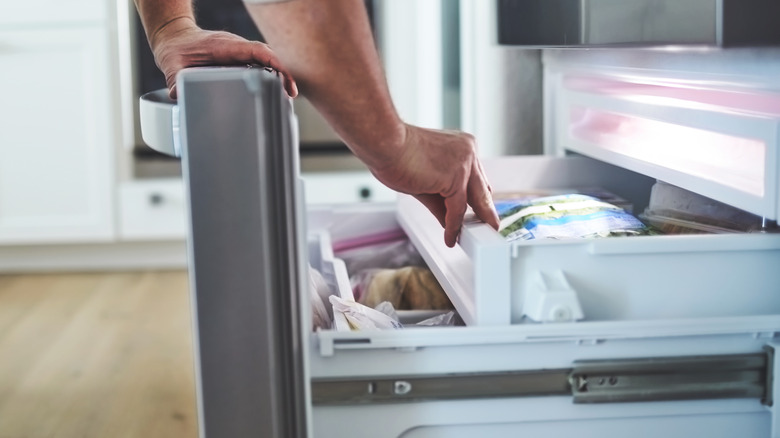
x: 442, y: 54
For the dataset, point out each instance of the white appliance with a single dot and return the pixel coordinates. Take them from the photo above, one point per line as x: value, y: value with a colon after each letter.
x: 679, y: 332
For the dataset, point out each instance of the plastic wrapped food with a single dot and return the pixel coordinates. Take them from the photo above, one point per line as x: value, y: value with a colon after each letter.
x: 565, y: 216
x: 383, y: 255
x: 392, y: 270
x: 438, y: 319
x: 507, y: 200
x: 407, y: 288
x: 674, y: 210
x: 362, y: 317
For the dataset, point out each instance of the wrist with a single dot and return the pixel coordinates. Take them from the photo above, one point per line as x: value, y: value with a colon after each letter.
x: 171, y: 27
x: 383, y: 148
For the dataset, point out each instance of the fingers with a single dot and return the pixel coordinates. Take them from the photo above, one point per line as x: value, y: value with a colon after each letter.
x: 484, y: 175
x: 202, y: 48
x: 170, y: 82
x: 455, y: 205
x: 460, y: 181
x: 290, y: 86
x: 479, y: 196
x: 263, y: 55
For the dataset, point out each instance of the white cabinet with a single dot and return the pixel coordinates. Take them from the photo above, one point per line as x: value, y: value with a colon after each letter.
x: 49, y: 12
x: 56, y: 135
x: 152, y: 210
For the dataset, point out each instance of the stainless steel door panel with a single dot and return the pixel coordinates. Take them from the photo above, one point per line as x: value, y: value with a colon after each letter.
x: 239, y: 161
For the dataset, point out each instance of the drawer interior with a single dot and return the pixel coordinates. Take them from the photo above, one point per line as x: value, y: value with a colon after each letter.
x: 493, y: 282
x: 352, y: 246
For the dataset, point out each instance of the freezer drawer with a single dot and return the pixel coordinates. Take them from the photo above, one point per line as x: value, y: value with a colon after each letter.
x: 492, y: 282
x: 675, y: 377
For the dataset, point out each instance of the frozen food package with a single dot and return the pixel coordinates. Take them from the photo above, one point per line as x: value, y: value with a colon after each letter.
x: 361, y: 317
x: 508, y: 199
x: 674, y: 210
x: 407, y: 288
x: 386, y: 267
x: 384, y: 255
x: 565, y: 216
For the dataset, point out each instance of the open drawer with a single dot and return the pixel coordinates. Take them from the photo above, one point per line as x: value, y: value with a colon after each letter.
x: 368, y: 228
x: 517, y: 379
x: 492, y: 282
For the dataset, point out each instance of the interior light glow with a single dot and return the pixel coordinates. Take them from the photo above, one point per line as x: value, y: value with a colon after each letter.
x: 735, y: 162
x: 680, y: 94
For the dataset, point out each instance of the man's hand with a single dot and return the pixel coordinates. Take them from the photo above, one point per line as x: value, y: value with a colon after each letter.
x: 441, y: 169
x: 181, y: 44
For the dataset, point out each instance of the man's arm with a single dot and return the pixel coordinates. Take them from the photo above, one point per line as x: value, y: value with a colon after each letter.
x: 177, y: 42
x: 328, y: 47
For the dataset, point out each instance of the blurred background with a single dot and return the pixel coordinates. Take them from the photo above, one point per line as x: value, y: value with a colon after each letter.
x: 76, y: 177
x: 94, y: 307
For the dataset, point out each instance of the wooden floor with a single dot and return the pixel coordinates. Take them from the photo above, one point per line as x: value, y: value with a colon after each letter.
x: 96, y: 355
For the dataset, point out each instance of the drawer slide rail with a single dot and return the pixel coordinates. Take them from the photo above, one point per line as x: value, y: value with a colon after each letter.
x: 588, y: 381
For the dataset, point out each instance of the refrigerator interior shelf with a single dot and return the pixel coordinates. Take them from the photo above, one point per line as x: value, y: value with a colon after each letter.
x: 721, y: 143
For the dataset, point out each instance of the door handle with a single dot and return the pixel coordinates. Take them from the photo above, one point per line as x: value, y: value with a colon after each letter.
x: 159, y: 116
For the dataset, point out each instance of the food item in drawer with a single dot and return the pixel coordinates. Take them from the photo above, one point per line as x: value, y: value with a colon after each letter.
x: 362, y: 317
x: 572, y: 215
x: 393, y: 272
x: 395, y: 253
x: 674, y: 210
x: 411, y: 287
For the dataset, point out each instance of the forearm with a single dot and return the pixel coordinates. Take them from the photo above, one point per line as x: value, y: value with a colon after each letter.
x: 328, y: 47
x: 159, y: 15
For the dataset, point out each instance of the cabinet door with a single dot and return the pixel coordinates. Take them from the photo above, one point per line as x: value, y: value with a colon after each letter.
x: 56, y: 136
x: 47, y: 12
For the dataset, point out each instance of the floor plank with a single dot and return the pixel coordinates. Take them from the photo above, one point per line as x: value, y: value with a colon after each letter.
x: 96, y: 355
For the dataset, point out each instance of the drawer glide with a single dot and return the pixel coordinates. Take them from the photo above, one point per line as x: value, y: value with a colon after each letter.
x: 663, y: 379
x: 440, y: 387
x: 589, y: 381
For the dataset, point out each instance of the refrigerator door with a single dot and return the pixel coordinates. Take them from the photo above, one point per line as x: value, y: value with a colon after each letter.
x: 246, y: 255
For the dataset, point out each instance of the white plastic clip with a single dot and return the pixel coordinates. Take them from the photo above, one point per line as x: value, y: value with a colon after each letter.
x: 552, y: 299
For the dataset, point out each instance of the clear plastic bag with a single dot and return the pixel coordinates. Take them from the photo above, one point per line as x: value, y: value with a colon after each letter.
x: 445, y: 319
x: 319, y: 293
x: 386, y: 255
x: 362, y: 317
x: 675, y: 210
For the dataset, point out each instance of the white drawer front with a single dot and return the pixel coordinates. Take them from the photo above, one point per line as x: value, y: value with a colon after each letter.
x: 152, y: 210
x: 344, y: 188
